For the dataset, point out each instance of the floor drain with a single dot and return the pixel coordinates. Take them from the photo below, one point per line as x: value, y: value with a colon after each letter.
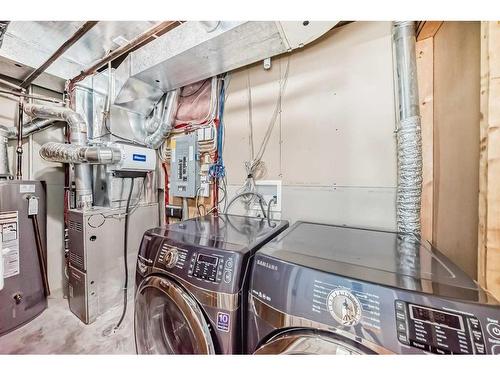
x: 108, y: 331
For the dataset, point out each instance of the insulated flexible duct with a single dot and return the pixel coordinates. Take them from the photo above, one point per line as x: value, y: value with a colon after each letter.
x: 70, y: 153
x: 156, y: 139
x: 78, y: 137
x: 409, y: 137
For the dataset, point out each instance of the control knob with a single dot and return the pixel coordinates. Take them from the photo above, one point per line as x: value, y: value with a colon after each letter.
x: 170, y: 258
x: 344, y: 307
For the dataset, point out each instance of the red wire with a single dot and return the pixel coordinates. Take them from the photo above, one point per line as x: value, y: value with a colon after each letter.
x: 167, y: 193
x: 216, y: 183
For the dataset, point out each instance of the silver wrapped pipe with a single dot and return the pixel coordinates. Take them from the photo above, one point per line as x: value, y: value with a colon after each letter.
x: 409, y: 190
x: 77, y: 124
x: 409, y: 137
x: 168, y: 117
x: 70, y: 153
x: 78, y: 137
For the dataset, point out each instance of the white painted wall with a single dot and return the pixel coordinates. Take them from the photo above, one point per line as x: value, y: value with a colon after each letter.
x: 52, y: 174
x: 333, y: 146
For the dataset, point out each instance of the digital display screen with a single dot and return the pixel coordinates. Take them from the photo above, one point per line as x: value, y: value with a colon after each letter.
x: 208, y: 259
x: 436, y: 317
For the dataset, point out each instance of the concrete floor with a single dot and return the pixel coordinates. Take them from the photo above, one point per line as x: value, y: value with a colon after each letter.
x: 58, y: 331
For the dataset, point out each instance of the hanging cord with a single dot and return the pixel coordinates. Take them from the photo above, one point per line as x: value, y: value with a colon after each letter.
x: 273, y: 200
x: 241, y: 195
x: 255, y: 164
x: 250, y: 120
x: 125, y: 245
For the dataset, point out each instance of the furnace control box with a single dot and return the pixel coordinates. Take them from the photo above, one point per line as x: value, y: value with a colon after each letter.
x: 185, y: 175
x: 134, y: 158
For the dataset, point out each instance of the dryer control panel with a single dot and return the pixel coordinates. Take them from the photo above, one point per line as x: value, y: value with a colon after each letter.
x: 438, y: 331
x: 378, y: 317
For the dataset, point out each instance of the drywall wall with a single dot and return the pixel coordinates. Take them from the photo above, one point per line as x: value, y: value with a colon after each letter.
x: 35, y: 168
x: 456, y: 141
x: 333, y: 146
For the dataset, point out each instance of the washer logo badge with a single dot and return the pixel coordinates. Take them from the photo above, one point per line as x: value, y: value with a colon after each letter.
x: 344, y: 307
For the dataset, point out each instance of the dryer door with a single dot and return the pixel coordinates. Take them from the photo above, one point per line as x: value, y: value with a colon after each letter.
x: 310, y: 342
x: 168, y: 320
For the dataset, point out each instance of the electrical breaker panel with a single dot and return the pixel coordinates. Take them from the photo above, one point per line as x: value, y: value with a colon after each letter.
x: 185, y: 172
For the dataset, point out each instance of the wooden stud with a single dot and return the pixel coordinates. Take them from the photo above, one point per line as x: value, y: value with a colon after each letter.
x: 489, y: 209
x: 483, y: 156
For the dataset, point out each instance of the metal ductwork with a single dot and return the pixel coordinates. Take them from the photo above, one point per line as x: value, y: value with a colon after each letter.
x: 3, y: 30
x: 78, y: 137
x: 4, y: 156
x: 167, y: 120
x: 70, y: 153
x: 409, y: 137
x: 198, y: 50
x: 31, y: 127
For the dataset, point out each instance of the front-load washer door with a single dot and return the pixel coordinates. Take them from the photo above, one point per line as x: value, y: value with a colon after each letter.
x: 168, y: 320
x: 310, y: 342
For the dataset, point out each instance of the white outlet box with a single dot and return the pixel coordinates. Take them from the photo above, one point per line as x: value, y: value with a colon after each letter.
x: 268, y: 189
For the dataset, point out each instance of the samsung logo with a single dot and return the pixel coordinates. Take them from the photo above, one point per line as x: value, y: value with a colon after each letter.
x: 139, y: 157
x: 267, y: 265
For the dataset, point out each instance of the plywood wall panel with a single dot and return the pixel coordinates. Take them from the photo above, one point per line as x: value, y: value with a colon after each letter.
x: 425, y: 69
x: 456, y: 141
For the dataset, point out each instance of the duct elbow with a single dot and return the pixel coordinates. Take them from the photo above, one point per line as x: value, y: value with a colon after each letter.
x: 171, y: 103
x: 75, y: 121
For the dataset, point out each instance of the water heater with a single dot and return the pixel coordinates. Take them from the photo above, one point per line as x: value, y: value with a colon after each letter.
x: 22, y: 226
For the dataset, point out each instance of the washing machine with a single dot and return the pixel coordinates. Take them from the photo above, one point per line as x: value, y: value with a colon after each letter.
x: 325, y: 289
x: 190, y: 280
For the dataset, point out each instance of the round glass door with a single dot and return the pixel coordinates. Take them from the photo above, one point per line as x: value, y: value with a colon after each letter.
x: 308, y: 342
x: 168, y: 320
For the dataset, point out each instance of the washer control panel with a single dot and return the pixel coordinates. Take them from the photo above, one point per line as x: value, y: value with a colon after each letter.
x: 211, y: 267
x: 170, y: 257
x: 438, y: 331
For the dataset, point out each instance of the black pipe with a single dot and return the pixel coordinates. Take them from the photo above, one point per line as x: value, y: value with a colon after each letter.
x: 41, y: 255
x: 125, y: 246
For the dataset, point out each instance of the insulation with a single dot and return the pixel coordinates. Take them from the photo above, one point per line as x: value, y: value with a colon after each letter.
x: 410, y: 175
x: 194, y: 103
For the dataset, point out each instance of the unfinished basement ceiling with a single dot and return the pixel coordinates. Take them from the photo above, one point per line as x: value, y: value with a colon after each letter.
x: 27, y: 44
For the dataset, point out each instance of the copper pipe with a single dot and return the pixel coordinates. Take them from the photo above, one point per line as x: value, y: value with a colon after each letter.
x: 10, y: 84
x: 138, y: 41
x: 63, y: 48
x: 32, y: 96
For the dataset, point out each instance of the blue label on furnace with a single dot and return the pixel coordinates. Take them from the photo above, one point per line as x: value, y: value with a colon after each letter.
x: 139, y: 157
x: 223, y: 321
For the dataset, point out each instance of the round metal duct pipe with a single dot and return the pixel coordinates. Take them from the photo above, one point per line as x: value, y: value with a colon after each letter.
x: 409, y: 137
